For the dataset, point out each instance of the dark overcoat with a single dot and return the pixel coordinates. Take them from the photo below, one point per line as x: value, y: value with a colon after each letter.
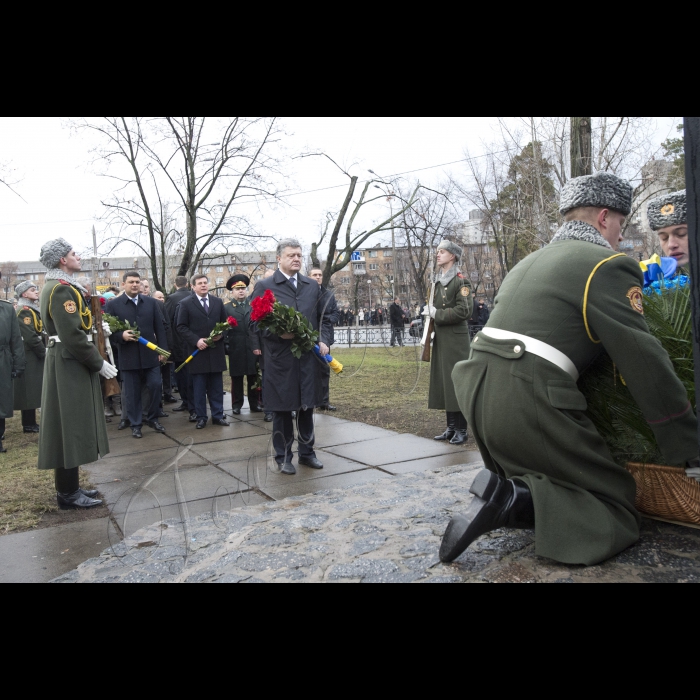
x: 73, y: 428
x: 241, y: 361
x: 330, y: 306
x: 149, y: 320
x: 28, y: 388
x: 193, y: 324
x: 172, y: 303
x: 454, y: 304
x: 12, y: 357
x: 292, y: 384
x: 529, y: 417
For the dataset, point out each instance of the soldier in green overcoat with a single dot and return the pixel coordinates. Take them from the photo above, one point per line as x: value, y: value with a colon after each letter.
x: 12, y: 362
x: 453, y: 307
x: 73, y: 429
x: 28, y: 388
x: 547, y: 466
x: 239, y: 347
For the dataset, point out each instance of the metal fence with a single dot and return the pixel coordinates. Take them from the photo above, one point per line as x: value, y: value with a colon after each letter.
x: 380, y: 335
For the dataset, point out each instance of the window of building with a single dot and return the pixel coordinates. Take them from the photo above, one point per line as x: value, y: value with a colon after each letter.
x: 388, y: 253
x: 374, y: 267
x: 373, y: 253
x: 219, y: 281
x: 116, y: 275
x: 219, y: 269
x: 388, y: 266
x: 206, y: 271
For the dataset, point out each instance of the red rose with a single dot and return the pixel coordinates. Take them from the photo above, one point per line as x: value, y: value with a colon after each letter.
x: 232, y: 322
x: 103, y: 301
x: 263, y: 306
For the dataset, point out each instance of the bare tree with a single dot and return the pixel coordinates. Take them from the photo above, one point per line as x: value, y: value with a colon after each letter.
x: 8, y: 178
x: 8, y: 278
x: 179, y: 179
x: 340, y: 251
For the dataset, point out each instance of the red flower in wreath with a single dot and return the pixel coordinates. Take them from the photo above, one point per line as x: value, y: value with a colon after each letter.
x: 263, y: 306
x: 103, y: 301
x: 232, y: 322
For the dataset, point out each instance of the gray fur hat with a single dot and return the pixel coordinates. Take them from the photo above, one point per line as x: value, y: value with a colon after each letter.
x: 669, y: 210
x: 602, y: 190
x: 53, y: 251
x: 451, y: 247
x: 23, y: 287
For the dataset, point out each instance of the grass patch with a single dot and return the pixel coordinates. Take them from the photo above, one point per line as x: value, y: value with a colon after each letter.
x: 387, y: 388
x: 26, y: 494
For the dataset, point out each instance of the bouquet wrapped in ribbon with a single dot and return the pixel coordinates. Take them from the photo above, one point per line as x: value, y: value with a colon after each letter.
x: 279, y: 319
x: 334, y: 364
x: 117, y: 326
x: 211, y: 341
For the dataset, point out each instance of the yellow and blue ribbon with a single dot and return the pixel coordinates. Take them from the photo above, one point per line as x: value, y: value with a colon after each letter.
x: 333, y: 364
x: 657, y: 269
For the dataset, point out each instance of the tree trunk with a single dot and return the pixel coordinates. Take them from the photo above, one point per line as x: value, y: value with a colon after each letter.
x: 581, y: 146
x: 692, y: 150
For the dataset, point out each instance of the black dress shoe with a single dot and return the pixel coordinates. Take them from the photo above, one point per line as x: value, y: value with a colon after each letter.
x: 330, y: 408
x: 89, y: 494
x: 269, y: 418
x: 124, y: 424
x: 288, y: 469
x: 180, y: 409
x: 202, y: 424
x: 236, y: 411
x: 136, y: 432
x: 31, y: 429
x: 163, y: 414
x: 461, y: 438
x: 451, y: 431
x: 497, y: 503
x: 77, y: 500
x: 156, y: 426
x: 310, y: 462
x: 221, y: 423
x: 169, y: 398
x: 193, y: 418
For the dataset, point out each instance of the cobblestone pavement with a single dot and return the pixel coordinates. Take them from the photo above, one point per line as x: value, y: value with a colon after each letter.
x: 386, y: 531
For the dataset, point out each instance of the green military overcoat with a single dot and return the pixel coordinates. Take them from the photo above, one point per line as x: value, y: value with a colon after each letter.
x: 241, y: 361
x: 528, y: 416
x: 12, y: 358
x: 455, y: 305
x: 28, y: 388
x: 73, y: 429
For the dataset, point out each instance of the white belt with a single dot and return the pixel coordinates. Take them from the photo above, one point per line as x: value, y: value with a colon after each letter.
x: 56, y: 339
x: 536, y: 347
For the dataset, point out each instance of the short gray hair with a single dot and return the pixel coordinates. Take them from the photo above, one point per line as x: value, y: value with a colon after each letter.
x: 287, y: 243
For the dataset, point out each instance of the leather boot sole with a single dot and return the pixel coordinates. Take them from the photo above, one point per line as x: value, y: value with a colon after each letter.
x: 481, y: 518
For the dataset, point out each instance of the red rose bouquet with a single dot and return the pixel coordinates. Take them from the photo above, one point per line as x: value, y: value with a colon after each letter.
x: 282, y: 320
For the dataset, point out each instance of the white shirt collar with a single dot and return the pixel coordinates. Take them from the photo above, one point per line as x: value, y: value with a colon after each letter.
x: 293, y: 277
x: 135, y: 300
x: 203, y: 299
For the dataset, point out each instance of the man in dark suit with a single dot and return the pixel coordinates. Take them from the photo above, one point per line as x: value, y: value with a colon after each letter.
x: 196, y: 319
x: 139, y: 366
x: 179, y: 355
x: 293, y: 385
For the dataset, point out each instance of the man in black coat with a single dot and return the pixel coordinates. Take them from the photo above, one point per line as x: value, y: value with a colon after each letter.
x: 196, y: 319
x: 293, y: 385
x: 397, y: 322
x: 179, y: 355
x: 139, y: 366
x: 330, y: 306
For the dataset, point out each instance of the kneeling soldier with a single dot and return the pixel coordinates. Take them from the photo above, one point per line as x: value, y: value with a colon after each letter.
x: 28, y: 388
x: 73, y: 429
x: 668, y: 216
x: 547, y: 466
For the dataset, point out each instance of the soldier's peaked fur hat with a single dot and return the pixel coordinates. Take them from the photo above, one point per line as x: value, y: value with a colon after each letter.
x: 23, y: 287
x: 669, y: 210
x: 602, y: 190
x: 53, y: 251
x: 238, y: 282
x: 451, y: 247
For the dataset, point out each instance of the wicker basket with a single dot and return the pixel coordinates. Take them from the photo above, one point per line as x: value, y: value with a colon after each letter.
x: 666, y: 492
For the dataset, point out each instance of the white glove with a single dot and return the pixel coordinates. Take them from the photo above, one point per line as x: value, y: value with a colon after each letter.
x: 430, y: 311
x: 109, y: 371
x: 107, y: 330
x: 693, y: 470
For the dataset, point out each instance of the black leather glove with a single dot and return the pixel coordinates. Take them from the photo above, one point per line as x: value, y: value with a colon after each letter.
x: 17, y: 375
x: 227, y: 349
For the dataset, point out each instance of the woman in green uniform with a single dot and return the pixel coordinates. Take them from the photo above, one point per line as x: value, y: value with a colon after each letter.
x: 453, y: 307
x: 28, y: 388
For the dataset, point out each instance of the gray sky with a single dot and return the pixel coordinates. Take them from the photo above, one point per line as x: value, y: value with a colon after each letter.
x: 63, y: 194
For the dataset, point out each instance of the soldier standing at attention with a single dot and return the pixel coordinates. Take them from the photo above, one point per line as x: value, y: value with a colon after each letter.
x: 28, y: 388
x: 452, y: 311
x: 668, y: 216
x: 73, y: 428
x: 239, y: 348
x: 547, y: 466
x: 12, y: 362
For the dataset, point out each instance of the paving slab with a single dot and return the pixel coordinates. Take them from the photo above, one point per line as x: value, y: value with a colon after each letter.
x: 435, y: 463
x: 332, y: 435
x: 236, y: 431
x: 386, y: 531
x: 394, y: 450
x: 39, y: 556
x: 294, y: 489
x: 264, y: 473
x: 235, y: 450
x: 123, y: 444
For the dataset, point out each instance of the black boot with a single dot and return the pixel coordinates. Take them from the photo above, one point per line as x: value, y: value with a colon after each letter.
x: 498, y: 503
x: 462, y: 435
x: 68, y: 491
x: 451, y: 428
x: 76, y: 501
